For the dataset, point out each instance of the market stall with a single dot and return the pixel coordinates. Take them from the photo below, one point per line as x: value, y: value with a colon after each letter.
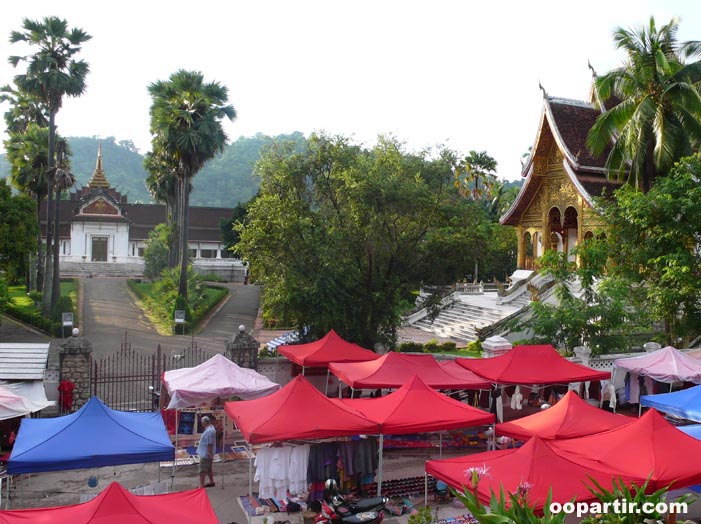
x: 392, y: 370
x: 571, y: 417
x: 13, y: 405
x: 116, y: 505
x: 685, y: 403
x: 536, y: 467
x: 330, y: 348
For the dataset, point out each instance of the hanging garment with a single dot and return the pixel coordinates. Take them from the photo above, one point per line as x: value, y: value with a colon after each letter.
x: 279, y: 467
x: 262, y: 475
x: 517, y: 399
x: 634, y: 397
x: 297, y: 473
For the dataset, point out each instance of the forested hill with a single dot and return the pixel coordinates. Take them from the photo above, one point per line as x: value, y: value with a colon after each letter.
x: 224, y: 182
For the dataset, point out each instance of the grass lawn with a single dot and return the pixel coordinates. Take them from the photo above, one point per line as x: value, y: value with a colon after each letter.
x: 20, y: 299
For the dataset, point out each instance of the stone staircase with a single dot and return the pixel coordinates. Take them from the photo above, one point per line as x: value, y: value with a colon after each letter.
x: 461, y: 320
x: 102, y: 269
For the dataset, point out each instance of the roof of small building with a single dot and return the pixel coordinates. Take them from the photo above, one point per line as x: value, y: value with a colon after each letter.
x: 23, y: 361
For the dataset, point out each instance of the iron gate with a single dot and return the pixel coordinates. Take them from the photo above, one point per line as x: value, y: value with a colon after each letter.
x: 127, y: 380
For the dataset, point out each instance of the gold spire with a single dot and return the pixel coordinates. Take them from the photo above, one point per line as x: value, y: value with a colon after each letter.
x: 98, y: 177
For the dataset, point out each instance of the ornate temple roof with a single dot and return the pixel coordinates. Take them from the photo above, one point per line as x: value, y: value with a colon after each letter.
x: 566, y: 123
x: 98, y: 177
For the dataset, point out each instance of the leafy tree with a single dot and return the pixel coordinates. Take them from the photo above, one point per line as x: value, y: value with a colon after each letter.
x: 52, y: 72
x: 230, y: 234
x: 157, y: 251
x: 657, y: 117
x: 28, y: 153
x: 18, y: 231
x: 186, y: 117
x: 4, y: 295
x: 654, y: 245
x: 341, y: 235
x: 24, y: 110
x: 475, y: 175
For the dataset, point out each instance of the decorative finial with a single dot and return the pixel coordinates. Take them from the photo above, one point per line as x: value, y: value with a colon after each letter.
x: 593, y: 72
x: 242, y: 328
x: 545, y: 94
x: 98, y: 177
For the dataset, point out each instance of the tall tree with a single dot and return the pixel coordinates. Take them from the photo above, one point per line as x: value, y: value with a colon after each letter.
x: 475, y: 175
x: 18, y: 229
x: 52, y: 72
x: 24, y: 110
x: 28, y: 154
x: 186, y: 124
x: 657, y: 117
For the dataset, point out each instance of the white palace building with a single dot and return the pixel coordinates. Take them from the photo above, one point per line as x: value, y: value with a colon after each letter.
x: 102, y: 234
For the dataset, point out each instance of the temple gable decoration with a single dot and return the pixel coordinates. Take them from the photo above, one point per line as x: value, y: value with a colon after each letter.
x: 100, y: 206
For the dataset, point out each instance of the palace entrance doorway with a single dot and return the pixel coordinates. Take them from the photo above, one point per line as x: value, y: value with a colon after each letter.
x: 99, y: 249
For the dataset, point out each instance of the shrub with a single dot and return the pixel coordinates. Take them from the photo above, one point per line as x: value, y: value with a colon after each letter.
x: 431, y: 347
x: 447, y: 347
x: 475, y: 346
x: 157, y: 251
x: 410, y: 347
x: 64, y: 304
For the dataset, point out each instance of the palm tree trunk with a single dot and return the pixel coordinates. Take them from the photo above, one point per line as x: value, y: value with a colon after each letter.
x: 185, y: 204
x: 56, y: 277
x: 48, y: 277
x: 174, y: 223
x: 40, y: 251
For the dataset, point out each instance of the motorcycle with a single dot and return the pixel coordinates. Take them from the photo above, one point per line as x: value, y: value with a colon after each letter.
x: 336, y: 509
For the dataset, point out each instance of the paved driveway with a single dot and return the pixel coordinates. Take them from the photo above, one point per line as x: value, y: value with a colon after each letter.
x: 109, y: 314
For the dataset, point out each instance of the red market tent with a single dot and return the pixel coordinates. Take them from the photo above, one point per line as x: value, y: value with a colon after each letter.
x: 416, y: 408
x: 527, y: 365
x: 649, y: 445
x: 395, y: 369
x: 297, y: 411
x: 537, y: 464
x: 330, y: 348
x: 456, y: 369
x: 571, y: 417
x: 116, y: 505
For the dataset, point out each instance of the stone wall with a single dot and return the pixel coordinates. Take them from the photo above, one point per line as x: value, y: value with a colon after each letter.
x: 75, y: 364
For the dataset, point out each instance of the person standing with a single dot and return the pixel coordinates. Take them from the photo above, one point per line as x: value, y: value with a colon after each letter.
x: 205, y: 450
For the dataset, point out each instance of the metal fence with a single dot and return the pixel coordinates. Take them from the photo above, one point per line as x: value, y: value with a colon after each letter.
x: 130, y: 381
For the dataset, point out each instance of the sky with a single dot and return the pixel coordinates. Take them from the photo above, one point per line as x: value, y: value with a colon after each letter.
x: 461, y: 74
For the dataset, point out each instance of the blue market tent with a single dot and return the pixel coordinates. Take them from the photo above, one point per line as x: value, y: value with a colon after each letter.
x: 685, y: 403
x: 93, y: 436
x: 693, y: 430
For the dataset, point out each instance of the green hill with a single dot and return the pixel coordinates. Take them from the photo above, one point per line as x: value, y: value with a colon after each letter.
x: 224, y: 182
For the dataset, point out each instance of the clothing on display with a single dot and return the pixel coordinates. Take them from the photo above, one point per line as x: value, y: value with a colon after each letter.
x: 280, y: 469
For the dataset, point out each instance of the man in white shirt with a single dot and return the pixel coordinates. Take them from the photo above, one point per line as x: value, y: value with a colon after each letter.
x: 205, y: 449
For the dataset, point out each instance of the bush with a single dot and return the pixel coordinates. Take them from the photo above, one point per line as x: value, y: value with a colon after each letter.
x: 410, y: 347
x: 64, y: 304
x: 431, y: 347
x: 447, y: 347
x: 157, y: 251
x: 475, y: 347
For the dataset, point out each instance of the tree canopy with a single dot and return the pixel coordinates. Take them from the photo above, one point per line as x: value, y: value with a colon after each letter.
x: 342, y: 236
x: 18, y: 231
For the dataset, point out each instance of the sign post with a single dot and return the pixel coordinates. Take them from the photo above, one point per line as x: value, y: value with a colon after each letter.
x: 66, y: 321
x: 179, y: 319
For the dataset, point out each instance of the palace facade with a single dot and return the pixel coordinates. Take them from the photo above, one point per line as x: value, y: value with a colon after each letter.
x: 555, y: 207
x: 99, y: 227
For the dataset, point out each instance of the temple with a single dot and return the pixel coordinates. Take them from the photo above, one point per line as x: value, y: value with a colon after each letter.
x: 555, y: 208
x: 101, y: 233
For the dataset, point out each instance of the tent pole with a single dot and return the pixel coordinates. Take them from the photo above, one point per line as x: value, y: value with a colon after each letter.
x: 326, y: 387
x: 223, y: 447
x: 379, y: 466
x: 250, y: 480
x: 303, y: 370
x: 440, y: 444
x: 175, y: 456
x: 640, y: 409
x: 425, y: 487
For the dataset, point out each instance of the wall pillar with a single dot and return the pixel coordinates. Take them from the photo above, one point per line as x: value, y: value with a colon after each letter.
x: 242, y: 349
x: 75, y: 364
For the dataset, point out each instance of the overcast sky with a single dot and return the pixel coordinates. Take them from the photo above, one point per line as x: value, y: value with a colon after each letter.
x: 460, y: 73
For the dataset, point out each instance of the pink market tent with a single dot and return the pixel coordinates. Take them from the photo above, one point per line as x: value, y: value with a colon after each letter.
x: 416, y: 408
x: 116, y: 505
x: 297, y: 411
x: 538, y: 463
x: 395, y: 369
x: 648, y: 446
x: 12, y: 405
x: 330, y: 348
x: 664, y: 365
x: 218, y: 377
x: 527, y: 365
x: 571, y: 417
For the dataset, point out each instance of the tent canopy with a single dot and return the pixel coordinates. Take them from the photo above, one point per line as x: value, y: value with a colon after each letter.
x: 217, y: 377
x: 537, y: 463
x: 93, y: 436
x: 393, y: 370
x: 571, y: 417
x: 416, y: 408
x: 297, y: 411
x: 527, y: 365
x: 457, y: 370
x: 648, y: 445
x: 116, y: 505
x: 685, y: 403
x: 664, y: 365
x: 12, y: 405
x: 330, y: 348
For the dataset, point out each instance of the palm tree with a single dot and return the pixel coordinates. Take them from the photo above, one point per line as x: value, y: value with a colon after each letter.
x: 475, y: 175
x: 28, y: 154
x: 52, y: 73
x: 24, y: 110
x: 658, y: 118
x: 186, y: 116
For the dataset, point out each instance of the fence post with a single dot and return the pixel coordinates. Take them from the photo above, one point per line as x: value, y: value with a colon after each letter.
x: 75, y: 366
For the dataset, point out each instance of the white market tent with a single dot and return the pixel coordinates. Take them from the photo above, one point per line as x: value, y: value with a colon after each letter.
x: 664, y: 365
x: 13, y: 405
x: 218, y: 377
x: 22, y: 367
